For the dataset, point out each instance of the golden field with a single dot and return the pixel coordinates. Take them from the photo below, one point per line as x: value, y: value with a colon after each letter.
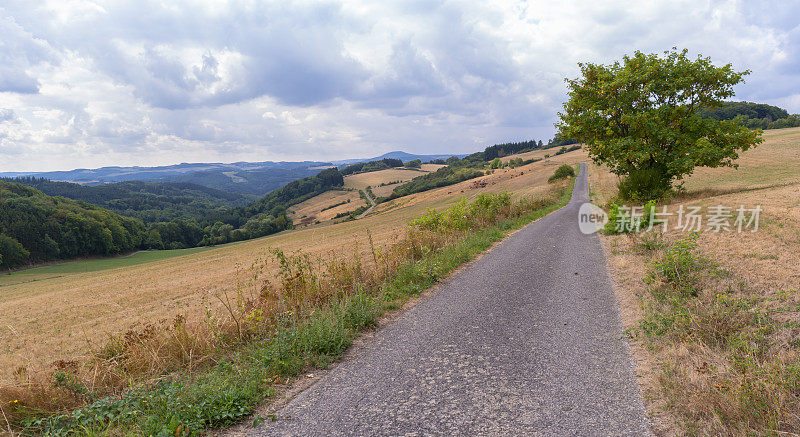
x: 702, y: 385
x: 47, y: 319
x: 382, y: 183
x: 311, y: 210
x: 372, y: 179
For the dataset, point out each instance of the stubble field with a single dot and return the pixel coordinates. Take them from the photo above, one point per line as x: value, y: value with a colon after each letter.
x: 695, y: 386
x: 49, y: 318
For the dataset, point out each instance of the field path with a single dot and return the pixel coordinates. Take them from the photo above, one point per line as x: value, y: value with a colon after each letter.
x: 371, y: 202
x: 525, y: 341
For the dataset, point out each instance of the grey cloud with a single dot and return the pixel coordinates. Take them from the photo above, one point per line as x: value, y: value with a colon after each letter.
x: 19, y: 51
x: 340, y: 78
x: 7, y: 115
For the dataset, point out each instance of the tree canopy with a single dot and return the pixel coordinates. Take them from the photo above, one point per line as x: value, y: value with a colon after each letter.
x: 36, y: 227
x: 642, y: 115
x: 754, y: 115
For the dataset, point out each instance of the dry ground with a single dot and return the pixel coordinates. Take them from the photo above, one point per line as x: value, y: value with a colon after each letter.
x: 62, y: 318
x: 311, y: 210
x: 372, y: 179
x: 431, y: 167
x: 765, y: 267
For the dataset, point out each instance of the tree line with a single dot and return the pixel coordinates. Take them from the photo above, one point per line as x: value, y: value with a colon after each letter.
x: 364, y: 167
x: 151, y: 202
x: 753, y: 115
x: 36, y: 227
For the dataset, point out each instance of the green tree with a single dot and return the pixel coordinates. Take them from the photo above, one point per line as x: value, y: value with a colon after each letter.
x: 154, y: 240
x: 496, y: 163
x: 640, y: 117
x: 416, y: 163
x: 12, y: 253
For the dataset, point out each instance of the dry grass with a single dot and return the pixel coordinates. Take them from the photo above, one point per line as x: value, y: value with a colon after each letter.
x: 70, y: 317
x: 294, y: 287
x: 318, y: 207
x: 693, y: 376
x: 431, y: 167
x: 361, y: 181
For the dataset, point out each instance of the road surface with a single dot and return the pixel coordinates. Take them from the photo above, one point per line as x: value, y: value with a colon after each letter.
x: 525, y: 341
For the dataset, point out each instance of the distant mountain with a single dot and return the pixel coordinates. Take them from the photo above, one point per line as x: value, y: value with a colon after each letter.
x: 105, y: 175
x: 258, y: 182
x: 257, y: 178
x: 397, y: 155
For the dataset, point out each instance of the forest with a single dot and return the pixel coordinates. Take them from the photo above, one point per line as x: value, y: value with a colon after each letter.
x: 256, y: 182
x: 151, y: 202
x: 43, y: 220
x: 36, y: 227
x: 754, y: 115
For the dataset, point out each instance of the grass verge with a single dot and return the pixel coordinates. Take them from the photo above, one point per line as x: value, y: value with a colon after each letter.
x: 213, y: 374
x: 727, y: 366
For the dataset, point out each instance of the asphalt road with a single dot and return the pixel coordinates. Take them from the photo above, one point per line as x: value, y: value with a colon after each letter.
x: 526, y: 341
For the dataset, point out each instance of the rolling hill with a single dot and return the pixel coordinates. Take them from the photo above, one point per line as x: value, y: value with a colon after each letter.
x: 150, y: 202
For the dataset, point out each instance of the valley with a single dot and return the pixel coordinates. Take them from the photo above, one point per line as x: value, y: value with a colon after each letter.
x: 52, y: 314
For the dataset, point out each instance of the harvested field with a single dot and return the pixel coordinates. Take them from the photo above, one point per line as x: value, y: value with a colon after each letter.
x: 375, y: 178
x: 431, y: 167
x: 694, y: 385
x: 318, y: 208
x: 48, y: 318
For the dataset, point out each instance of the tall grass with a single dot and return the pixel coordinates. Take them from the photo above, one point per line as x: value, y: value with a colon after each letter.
x: 189, y: 376
x: 728, y: 367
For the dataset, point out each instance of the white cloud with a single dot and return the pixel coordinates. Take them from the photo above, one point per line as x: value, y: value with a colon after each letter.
x: 92, y: 83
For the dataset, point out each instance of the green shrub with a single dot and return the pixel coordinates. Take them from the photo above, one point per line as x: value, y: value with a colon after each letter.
x: 643, y: 185
x: 680, y: 265
x: 563, y: 172
x: 463, y: 215
x: 622, y: 221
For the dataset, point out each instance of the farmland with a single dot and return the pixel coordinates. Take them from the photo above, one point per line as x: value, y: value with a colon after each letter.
x: 64, y: 316
x: 328, y: 205
x: 697, y: 379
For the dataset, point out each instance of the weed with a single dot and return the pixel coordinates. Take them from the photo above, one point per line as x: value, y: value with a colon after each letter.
x: 649, y: 242
x: 725, y: 371
x: 679, y: 266
x: 214, y: 373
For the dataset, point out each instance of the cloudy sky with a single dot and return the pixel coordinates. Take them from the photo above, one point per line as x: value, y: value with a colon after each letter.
x: 91, y: 83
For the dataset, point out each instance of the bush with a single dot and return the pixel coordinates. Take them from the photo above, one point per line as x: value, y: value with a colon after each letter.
x: 680, y: 265
x: 463, y: 215
x: 622, y: 221
x: 416, y: 163
x: 563, y: 172
x: 643, y: 185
